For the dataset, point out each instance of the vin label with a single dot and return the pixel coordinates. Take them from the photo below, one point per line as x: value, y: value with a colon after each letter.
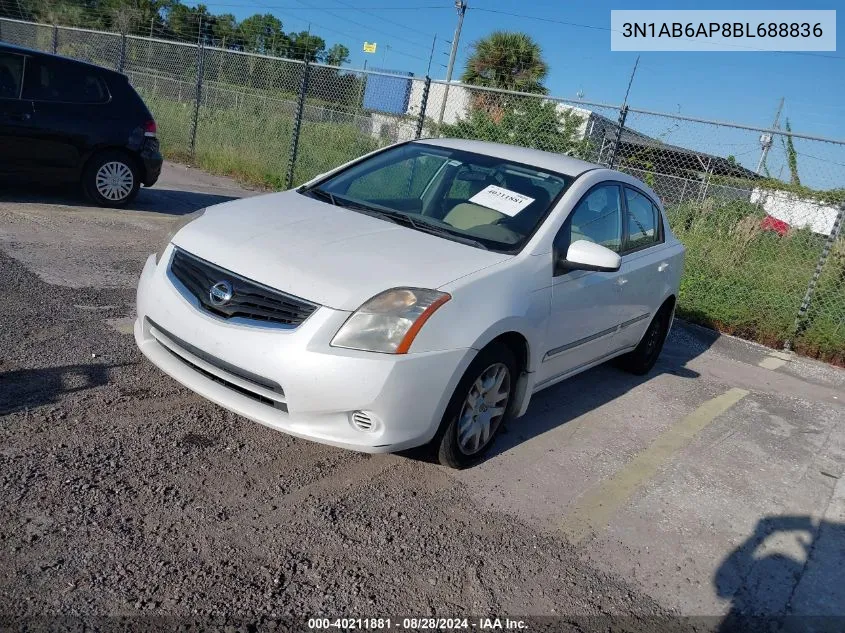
x: 736, y: 31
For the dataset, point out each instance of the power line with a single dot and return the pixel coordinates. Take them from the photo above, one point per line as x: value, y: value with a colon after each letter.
x: 383, y: 19
x: 289, y: 8
x: 398, y: 50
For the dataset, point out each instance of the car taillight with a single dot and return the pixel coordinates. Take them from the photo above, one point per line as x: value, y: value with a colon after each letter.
x: 150, y: 128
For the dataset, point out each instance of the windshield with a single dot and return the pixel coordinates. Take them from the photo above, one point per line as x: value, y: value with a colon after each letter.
x: 480, y: 200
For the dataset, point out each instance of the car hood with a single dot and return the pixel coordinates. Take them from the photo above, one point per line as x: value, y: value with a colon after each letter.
x: 326, y: 254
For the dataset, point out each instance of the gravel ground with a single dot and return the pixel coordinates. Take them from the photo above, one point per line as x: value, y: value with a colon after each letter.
x: 127, y: 496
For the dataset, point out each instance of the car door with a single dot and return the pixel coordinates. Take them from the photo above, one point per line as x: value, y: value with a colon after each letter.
x: 646, y: 264
x: 16, y: 122
x: 70, y: 118
x: 585, y: 305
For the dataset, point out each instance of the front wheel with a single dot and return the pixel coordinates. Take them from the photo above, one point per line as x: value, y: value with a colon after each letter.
x: 111, y: 179
x: 478, y: 408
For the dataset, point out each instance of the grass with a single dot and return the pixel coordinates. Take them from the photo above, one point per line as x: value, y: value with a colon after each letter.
x: 746, y: 281
x: 253, y: 145
x: 738, y: 278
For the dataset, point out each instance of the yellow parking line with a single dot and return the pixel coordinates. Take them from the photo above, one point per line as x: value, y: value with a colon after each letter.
x: 593, y: 509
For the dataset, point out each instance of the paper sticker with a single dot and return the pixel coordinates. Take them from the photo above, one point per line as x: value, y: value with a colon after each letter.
x: 501, y: 200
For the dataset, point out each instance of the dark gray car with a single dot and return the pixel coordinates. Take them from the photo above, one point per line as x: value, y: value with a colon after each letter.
x: 66, y: 121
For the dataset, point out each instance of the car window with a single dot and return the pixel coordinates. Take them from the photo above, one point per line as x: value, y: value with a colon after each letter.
x: 50, y: 80
x: 11, y: 72
x: 642, y: 220
x: 597, y: 218
x: 405, y: 179
x: 475, y: 198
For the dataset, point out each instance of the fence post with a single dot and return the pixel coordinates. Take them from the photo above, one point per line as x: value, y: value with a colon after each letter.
x: 197, y: 99
x: 121, y: 58
x: 54, y: 44
x: 423, y: 105
x: 811, y: 287
x: 623, y: 114
x: 297, y: 123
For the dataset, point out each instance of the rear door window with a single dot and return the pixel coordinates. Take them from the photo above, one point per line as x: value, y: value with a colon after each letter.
x: 63, y: 82
x: 643, y: 221
x: 11, y: 73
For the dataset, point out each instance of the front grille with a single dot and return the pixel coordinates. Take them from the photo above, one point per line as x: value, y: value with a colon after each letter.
x: 250, y: 299
x: 251, y: 386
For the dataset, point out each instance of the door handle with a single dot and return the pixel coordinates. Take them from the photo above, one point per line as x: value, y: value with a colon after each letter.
x: 621, y: 281
x: 663, y: 266
x: 18, y: 116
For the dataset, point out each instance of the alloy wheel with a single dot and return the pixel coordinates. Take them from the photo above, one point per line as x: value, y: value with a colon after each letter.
x: 484, y: 408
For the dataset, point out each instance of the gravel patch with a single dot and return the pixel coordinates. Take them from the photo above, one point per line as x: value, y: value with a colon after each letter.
x: 130, y: 499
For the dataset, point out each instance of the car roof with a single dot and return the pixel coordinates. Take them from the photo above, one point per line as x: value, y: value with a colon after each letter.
x: 559, y: 163
x: 14, y: 48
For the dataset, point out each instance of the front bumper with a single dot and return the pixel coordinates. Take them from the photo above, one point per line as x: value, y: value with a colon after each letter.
x: 152, y: 161
x: 292, y: 380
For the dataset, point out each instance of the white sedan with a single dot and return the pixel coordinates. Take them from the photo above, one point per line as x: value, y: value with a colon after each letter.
x: 420, y: 294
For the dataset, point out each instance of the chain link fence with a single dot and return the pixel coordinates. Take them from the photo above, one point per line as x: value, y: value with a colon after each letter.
x: 764, y: 235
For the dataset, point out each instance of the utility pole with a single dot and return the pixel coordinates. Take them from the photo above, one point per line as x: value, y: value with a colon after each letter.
x: 461, y: 6
x: 430, y: 56
x: 766, y: 138
x: 631, y: 80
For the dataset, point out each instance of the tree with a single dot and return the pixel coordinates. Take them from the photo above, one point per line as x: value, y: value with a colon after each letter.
x: 506, y: 60
x: 224, y: 31
x: 263, y: 34
x: 531, y: 122
x: 305, y: 46
x: 337, y: 55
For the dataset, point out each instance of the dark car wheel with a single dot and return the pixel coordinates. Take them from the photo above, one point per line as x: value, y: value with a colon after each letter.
x: 111, y: 179
x: 644, y: 356
x: 478, y: 408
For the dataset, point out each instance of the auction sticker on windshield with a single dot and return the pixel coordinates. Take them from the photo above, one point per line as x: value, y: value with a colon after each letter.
x: 501, y: 200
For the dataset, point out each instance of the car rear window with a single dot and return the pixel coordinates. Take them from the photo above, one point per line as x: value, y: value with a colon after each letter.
x: 51, y: 80
x: 11, y: 70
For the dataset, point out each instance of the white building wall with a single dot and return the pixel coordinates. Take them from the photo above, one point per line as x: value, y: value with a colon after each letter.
x: 459, y: 100
x: 795, y: 211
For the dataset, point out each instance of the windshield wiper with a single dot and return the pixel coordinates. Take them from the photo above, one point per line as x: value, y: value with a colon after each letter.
x: 397, y: 217
x: 322, y: 193
x: 422, y: 224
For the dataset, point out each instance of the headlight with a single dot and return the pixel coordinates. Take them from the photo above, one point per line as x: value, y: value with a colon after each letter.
x: 390, y: 321
x: 180, y: 223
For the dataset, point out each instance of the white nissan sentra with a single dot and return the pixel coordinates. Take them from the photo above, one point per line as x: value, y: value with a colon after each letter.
x: 420, y: 294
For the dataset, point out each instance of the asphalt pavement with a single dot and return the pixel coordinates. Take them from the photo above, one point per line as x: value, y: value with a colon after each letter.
x: 711, y: 487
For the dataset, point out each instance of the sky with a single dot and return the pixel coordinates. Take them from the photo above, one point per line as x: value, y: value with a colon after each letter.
x: 743, y: 87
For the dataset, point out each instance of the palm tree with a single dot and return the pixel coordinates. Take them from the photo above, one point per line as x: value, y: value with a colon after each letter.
x: 507, y: 60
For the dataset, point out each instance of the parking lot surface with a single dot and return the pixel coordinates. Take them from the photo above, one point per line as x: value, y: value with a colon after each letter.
x: 712, y: 486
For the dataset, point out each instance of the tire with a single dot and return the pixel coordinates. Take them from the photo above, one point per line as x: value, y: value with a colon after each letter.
x: 467, y: 433
x: 111, y: 179
x: 641, y: 360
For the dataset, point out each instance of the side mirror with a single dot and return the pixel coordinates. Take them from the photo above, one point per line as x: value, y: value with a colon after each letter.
x: 584, y: 255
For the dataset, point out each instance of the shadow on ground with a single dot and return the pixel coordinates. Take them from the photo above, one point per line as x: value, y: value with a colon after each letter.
x: 153, y: 200
x: 593, y: 388
x: 787, y: 576
x: 29, y: 388
x: 568, y: 400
